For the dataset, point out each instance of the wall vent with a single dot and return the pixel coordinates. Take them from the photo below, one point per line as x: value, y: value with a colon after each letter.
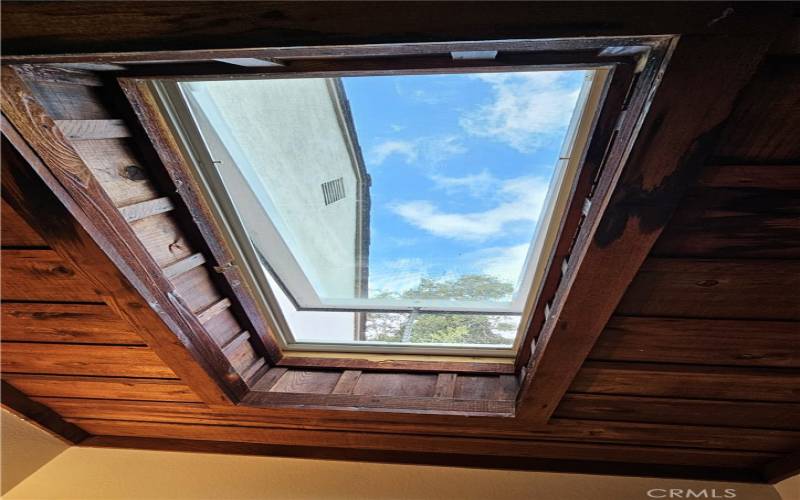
x: 333, y: 191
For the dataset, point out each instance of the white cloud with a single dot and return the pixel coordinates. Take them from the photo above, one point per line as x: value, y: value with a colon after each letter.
x: 380, y: 152
x: 528, y: 110
x: 519, y: 199
x: 504, y: 263
x: 428, y: 150
x: 475, y: 184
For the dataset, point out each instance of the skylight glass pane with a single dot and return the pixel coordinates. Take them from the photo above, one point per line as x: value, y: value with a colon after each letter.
x: 393, y: 209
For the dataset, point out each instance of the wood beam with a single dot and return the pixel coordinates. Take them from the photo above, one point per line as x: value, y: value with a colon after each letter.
x: 77, y: 232
x: 627, y: 216
x: 43, y: 417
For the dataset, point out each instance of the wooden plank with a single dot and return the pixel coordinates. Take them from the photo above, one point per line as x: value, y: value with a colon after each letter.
x: 476, y: 387
x: 242, y: 357
x: 213, y: 310
x: 32, y: 186
x: 103, y: 388
x: 700, y: 341
x: 65, y: 323
x: 395, y: 384
x: 118, y: 170
x: 347, y: 381
x: 688, y: 381
x: 222, y: 327
x: 66, y: 101
x: 15, y: 231
x: 234, y: 343
x: 724, y: 289
x: 162, y: 238
x: 172, y: 271
x: 197, y: 290
x: 305, y: 382
x: 751, y: 176
x: 73, y: 359
x: 269, y: 379
x: 732, y: 223
x: 762, y: 127
x: 145, y: 209
x: 55, y: 74
x: 42, y: 416
x: 43, y: 275
x: 680, y: 411
x: 629, y: 212
x: 477, y: 446
x: 397, y: 365
x: 558, y: 430
x: 57, y: 33
x: 445, y: 385
x: 584, y: 466
x: 83, y: 130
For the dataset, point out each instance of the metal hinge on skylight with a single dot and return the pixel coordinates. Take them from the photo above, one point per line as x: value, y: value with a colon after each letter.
x: 333, y: 191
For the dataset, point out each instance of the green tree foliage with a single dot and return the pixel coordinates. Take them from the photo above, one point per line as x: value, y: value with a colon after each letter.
x: 447, y: 328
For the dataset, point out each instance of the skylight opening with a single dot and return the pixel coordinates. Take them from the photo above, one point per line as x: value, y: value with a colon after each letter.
x: 393, y: 213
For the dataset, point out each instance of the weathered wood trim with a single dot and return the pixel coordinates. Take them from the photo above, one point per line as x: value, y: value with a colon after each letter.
x: 84, y: 130
x: 86, y: 235
x: 43, y: 417
x: 630, y: 209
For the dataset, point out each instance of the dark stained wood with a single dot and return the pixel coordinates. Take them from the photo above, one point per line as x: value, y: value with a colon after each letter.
x: 15, y: 231
x: 82, y: 130
x: 43, y: 275
x: 269, y: 379
x: 688, y: 381
x: 700, y: 341
x: 424, y: 444
x: 726, y: 289
x: 733, y: 223
x: 676, y: 137
x: 73, y: 359
x: 153, y: 26
x: 782, y: 468
x: 445, y: 385
x: 67, y: 227
x: 213, y: 310
x: 65, y: 323
x: 106, y: 388
x: 760, y: 130
x: 397, y: 365
x: 680, y: 411
x: 42, y: 416
x: 751, y: 176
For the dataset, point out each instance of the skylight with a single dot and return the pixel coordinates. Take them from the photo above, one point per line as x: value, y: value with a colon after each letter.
x: 393, y: 211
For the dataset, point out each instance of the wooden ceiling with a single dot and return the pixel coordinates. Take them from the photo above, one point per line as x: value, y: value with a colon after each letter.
x: 695, y: 374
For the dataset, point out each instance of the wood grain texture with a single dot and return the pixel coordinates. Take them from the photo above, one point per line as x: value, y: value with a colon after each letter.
x: 782, y: 177
x: 72, y: 359
x: 760, y: 128
x: 104, y: 388
x: 66, y: 323
x: 67, y: 224
x: 185, y: 31
x: 44, y: 276
x: 627, y: 215
x: 305, y: 382
x: 698, y: 341
x: 688, y: 381
x: 676, y: 410
x: 145, y: 209
x: 82, y: 130
x: 735, y: 222
x: 163, y: 239
x: 15, y: 231
x: 396, y: 365
x: 724, y: 289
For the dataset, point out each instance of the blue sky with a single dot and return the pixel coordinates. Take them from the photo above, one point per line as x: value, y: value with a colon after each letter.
x: 460, y: 166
